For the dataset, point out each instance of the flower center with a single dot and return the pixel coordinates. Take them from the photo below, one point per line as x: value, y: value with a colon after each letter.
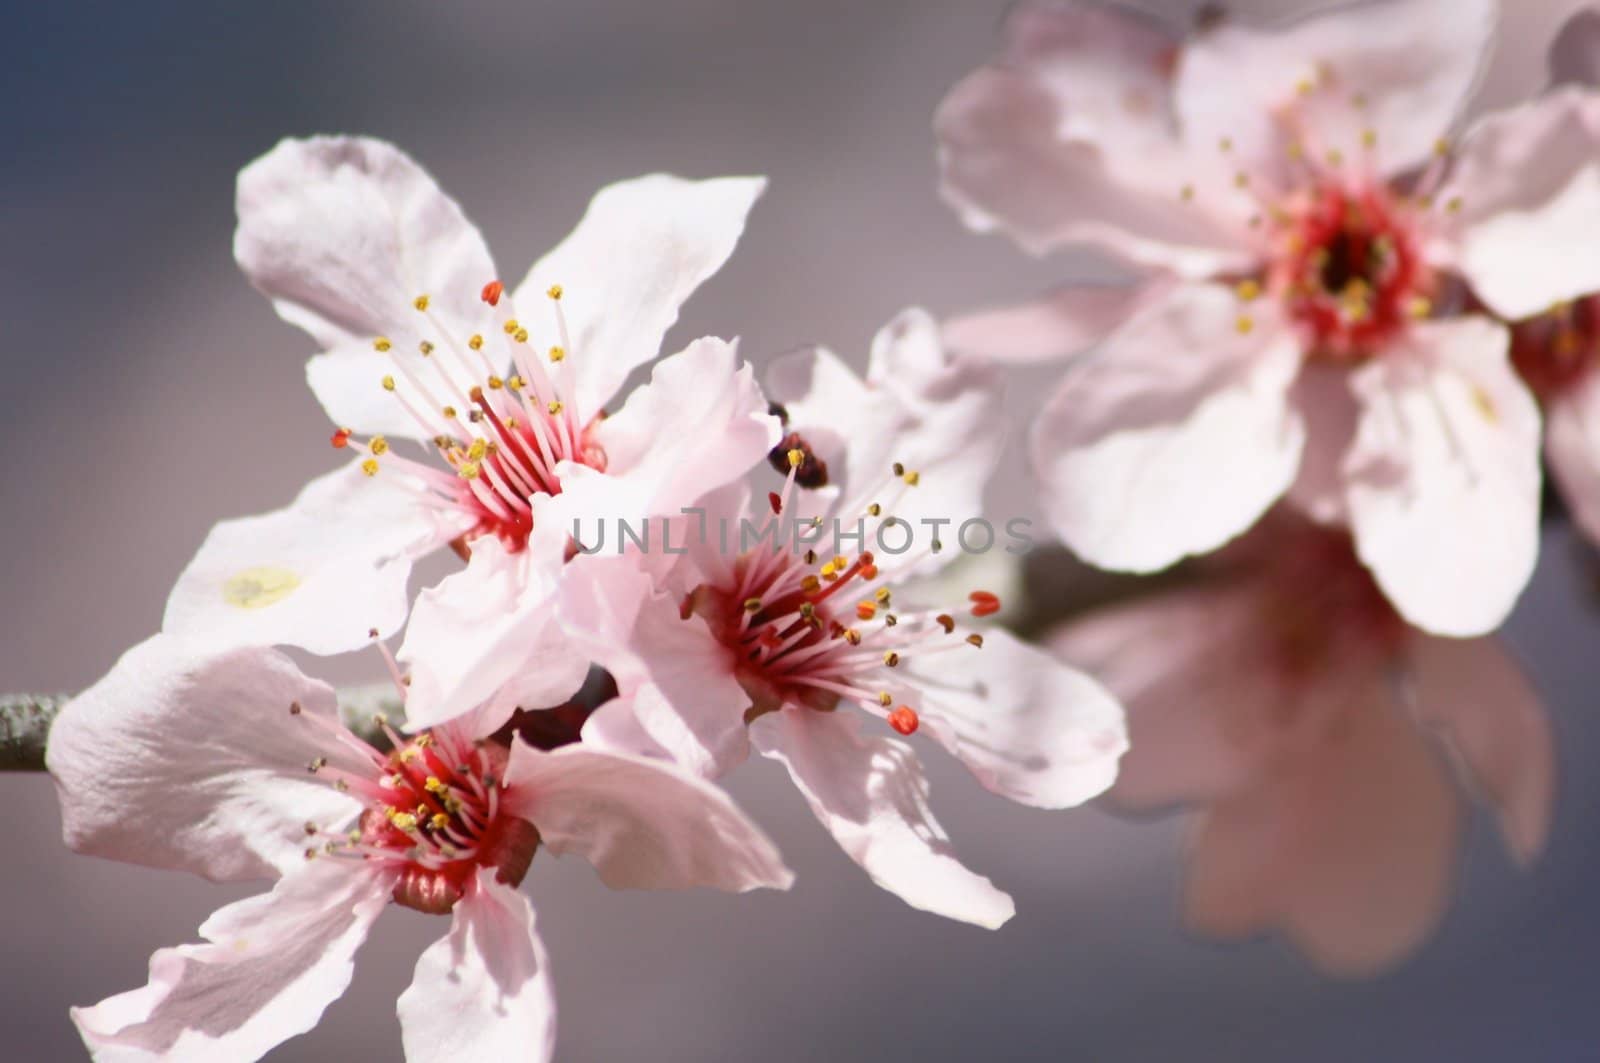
x: 813, y: 631
x: 1554, y: 350
x: 1348, y: 266
x: 432, y: 812
x: 501, y: 438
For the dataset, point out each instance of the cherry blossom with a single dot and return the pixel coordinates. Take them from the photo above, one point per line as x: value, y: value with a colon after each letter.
x: 1317, y: 736
x: 1321, y: 269
x: 773, y: 644
x: 233, y: 765
x: 422, y: 344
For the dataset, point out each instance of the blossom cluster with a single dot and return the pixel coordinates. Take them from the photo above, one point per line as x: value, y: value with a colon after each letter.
x: 1349, y: 334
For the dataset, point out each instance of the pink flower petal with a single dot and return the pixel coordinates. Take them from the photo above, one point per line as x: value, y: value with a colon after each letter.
x: 639, y: 252
x: 321, y: 574
x: 482, y: 991
x: 1444, y: 477
x: 1174, y: 436
x: 1053, y: 327
x: 1478, y: 696
x: 872, y: 797
x: 1027, y: 726
x: 272, y: 964
x: 643, y: 824
x: 189, y: 759
x: 1528, y: 180
x: 1350, y: 849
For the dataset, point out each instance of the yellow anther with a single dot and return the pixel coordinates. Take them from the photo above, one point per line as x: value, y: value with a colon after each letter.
x: 469, y: 470
x: 1186, y: 193
x: 874, y: 510
x: 388, y: 383
x: 433, y: 785
x: 827, y: 570
x: 1369, y: 138
x: 1305, y: 87
x: 478, y: 449
x: 408, y: 754
x: 425, y: 347
x: 891, y: 658
x: 515, y: 383
x: 1225, y: 144
x: 381, y: 344
x: 1335, y: 157
x: 752, y: 605
x: 841, y: 562
x: 852, y: 636
x: 1248, y: 290
x: 912, y: 478
x: 1241, y: 180
x: 1454, y: 204
x: 420, y: 302
x: 882, y: 595
x: 521, y: 335
x: 810, y: 583
x: 403, y: 821
x: 555, y: 407
x: 557, y: 353
x: 1297, y: 151
x: 796, y: 458
x: 450, y: 412
x: 885, y: 699
x: 370, y: 467
x: 378, y: 445
x: 476, y: 342
x: 1244, y: 324
x: 1441, y: 147
x: 495, y: 383
x: 554, y: 291
x: 511, y: 326
x: 439, y: 821
x: 1420, y: 307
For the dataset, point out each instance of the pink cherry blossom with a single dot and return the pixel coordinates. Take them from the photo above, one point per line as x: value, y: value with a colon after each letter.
x: 232, y: 764
x: 500, y: 394
x: 1311, y: 247
x: 1315, y: 734
x: 775, y: 646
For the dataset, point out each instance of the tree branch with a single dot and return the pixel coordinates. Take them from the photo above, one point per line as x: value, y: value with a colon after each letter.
x: 25, y: 721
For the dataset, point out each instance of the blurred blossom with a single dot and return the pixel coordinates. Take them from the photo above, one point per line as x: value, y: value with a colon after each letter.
x: 199, y: 760
x: 1306, y: 238
x: 1326, y: 747
x: 773, y: 646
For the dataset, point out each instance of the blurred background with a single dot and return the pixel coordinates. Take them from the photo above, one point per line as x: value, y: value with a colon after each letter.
x: 149, y: 392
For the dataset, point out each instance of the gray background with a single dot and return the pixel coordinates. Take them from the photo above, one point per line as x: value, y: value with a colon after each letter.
x: 148, y: 391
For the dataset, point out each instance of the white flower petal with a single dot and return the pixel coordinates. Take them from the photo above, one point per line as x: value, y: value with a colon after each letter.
x: 488, y: 639
x: 342, y: 233
x: 1477, y: 695
x: 643, y: 824
x: 939, y: 416
x: 1350, y: 850
x: 872, y: 797
x: 1528, y: 180
x: 482, y: 991
x: 640, y: 251
x: 1069, y: 138
x: 188, y: 759
x: 1444, y: 477
x: 1413, y: 76
x: 1572, y: 447
x: 700, y: 423
x: 670, y: 670
x: 1322, y: 395
x: 320, y: 574
x: 1173, y: 437
x: 1029, y: 727
x: 273, y: 963
x: 1050, y: 328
